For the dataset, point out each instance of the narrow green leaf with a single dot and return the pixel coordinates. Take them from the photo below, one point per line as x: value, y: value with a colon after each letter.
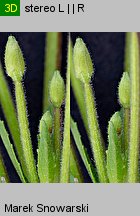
x: 3, y: 172
x: 82, y: 151
x: 115, y: 163
x: 10, y: 114
x: 46, y: 154
x: 65, y: 166
x: 10, y: 150
x: 75, y: 168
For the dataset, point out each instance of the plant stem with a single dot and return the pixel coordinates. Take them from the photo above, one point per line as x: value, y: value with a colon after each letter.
x: 77, y: 89
x: 95, y: 136
x: 3, y: 171
x: 57, y: 141
x: 75, y: 168
x: 126, y: 129
x: 127, y: 61
x: 125, y: 139
x: 126, y: 112
x: 127, y: 67
x: 65, y: 168
x: 52, y: 62
x: 134, y: 110
x: 31, y: 174
x: 10, y: 114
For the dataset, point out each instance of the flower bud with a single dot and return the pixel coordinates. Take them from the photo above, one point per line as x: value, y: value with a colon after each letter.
x: 57, y: 90
x: 47, y: 119
x: 124, y: 90
x: 14, y: 61
x: 117, y: 122
x: 82, y: 62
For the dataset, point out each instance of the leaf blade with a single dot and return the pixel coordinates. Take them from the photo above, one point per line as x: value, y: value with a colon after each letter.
x: 82, y: 151
x: 114, y: 156
x: 45, y: 153
x: 5, y: 138
x: 65, y: 165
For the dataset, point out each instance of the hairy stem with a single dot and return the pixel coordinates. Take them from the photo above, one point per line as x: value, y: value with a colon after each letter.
x: 126, y: 129
x: 126, y: 112
x: 57, y: 141
x: 52, y: 62
x: 95, y: 136
x: 65, y: 168
x: 134, y: 110
x: 31, y: 173
x: 127, y: 61
x: 77, y: 89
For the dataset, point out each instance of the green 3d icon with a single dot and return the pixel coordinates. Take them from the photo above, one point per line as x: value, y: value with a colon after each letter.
x: 9, y: 7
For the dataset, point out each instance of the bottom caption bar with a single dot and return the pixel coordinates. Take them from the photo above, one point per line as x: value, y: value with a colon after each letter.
x: 69, y: 199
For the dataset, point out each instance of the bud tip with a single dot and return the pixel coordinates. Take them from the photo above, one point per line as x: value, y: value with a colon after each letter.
x: 82, y: 61
x: 57, y: 90
x: 14, y: 61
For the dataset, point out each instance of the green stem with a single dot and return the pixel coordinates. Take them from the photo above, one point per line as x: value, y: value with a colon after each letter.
x: 95, y: 136
x: 10, y: 114
x: 77, y: 89
x: 126, y: 112
x: 134, y: 110
x: 65, y: 168
x: 125, y: 147
x: 52, y: 62
x: 125, y: 140
x: 75, y: 168
x: 57, y: 141
x: 127, y: 62
x: 3, y: 171
x: 126, y: 129
x: 31, y: 173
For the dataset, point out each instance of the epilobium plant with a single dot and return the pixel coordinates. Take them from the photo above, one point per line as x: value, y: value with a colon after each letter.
x: 51, y: 141
x: 120, y: 162
x: 57, y: 161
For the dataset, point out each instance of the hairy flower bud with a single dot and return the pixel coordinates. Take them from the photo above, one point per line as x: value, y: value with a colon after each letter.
x: 124, y: 90
x: 82, y: 62
x: 57, y: 90
x: 14, y: 61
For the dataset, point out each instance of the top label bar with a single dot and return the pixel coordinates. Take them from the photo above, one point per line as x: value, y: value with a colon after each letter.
x: 74, y: 15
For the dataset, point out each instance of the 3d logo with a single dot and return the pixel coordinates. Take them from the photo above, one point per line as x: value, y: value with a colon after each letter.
x: 9, y: 7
